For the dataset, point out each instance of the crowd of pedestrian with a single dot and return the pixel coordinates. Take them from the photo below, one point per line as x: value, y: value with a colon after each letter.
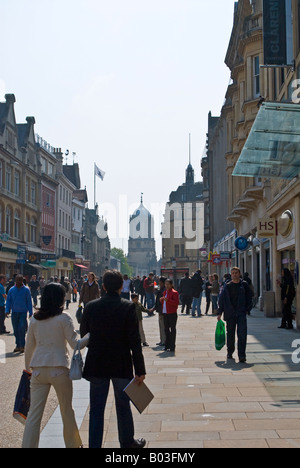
x: 112, y: 325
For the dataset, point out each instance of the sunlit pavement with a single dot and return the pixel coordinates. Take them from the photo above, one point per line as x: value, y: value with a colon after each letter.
x: 203, y: 401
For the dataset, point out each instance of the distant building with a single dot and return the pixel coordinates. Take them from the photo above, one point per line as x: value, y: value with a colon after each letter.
x: 183, y: 228
x: 141, y: 246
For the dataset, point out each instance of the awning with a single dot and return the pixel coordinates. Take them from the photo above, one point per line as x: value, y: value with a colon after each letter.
x: 272, y: 149
x: 81, y: 266
x: 38, y: 267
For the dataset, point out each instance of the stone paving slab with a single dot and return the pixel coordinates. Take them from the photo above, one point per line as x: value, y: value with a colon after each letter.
x: 203, y: 401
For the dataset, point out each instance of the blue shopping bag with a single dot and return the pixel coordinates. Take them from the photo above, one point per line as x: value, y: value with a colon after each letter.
x: 22, y: 402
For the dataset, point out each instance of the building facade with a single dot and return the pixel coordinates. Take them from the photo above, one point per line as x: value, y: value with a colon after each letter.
x: 252, y: 199
x: 141, y: 245
x: 183, y: 228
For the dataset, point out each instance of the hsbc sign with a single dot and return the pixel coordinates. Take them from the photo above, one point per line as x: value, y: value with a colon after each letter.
x: 267, y: 227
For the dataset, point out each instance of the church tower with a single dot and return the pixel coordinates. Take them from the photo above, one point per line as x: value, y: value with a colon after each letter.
x: 141, y: 245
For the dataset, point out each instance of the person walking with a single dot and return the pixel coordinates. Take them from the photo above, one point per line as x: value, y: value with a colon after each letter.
x: 127, y: 288
x: 139, y: 308
x: 114, y: 348
x: 19, y: 304
x: 3, y: 296
x: 158, y: 309
x: 235, y: 302
x: 208, y: 284
x: 170, y: 303
x: 197, y: 284
x: 89, y: 290
x: 69, y: 291
x: 149, y: 290
x: 34, y: 287
x: 47, y: 358
x: 214, y: 291
x: 186, y: 292
x: 288, y: 294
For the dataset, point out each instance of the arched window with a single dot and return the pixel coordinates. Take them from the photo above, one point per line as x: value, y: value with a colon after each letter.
x: 27, y: 229
x: 8, y: 221
x: 17, y: 223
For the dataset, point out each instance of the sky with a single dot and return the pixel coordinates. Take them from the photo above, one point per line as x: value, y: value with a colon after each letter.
x: 121, y: 83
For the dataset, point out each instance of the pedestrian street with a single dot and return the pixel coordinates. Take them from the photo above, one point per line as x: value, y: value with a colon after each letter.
x: 203, y: 401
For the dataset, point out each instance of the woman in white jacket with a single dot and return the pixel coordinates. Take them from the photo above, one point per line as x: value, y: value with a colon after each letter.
x: 47, y: 357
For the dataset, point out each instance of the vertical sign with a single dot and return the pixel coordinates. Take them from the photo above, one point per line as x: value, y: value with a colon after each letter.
x: 278, y: 32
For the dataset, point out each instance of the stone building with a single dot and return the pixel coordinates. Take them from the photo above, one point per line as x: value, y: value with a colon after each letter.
x: 183, y: 228
x: 141, y: 245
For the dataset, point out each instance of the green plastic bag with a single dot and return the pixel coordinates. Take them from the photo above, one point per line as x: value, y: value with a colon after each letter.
x: 220, y: 335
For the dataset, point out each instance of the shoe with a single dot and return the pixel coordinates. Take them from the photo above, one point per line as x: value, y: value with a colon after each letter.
x: 243, y: 360
x: 229, y: 356
x: 16, y: 350
x: 22, y: 350
x: 138, y: 443
x: 167, y: 349
x: 282, y: 327
x: 145, y: 344
x: 5, y: 333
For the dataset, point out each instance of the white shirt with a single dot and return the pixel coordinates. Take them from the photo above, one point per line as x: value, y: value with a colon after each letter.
x: 165, y: 306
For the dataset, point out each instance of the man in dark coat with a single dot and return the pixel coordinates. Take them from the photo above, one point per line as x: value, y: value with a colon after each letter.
x: 235, y: 302
x: 114, y: 348
x: 186, y: 292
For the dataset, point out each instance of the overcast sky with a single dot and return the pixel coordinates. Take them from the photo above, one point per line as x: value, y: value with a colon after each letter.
x: 122, y: 83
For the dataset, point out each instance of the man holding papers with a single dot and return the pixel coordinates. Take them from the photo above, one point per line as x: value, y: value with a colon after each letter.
x: 114, y: 349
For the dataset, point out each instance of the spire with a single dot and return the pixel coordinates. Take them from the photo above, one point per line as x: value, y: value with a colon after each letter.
x: 190, y: 174
x: 142, y: 198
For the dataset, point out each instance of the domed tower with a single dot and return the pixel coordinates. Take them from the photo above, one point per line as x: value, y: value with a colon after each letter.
x: 141, y: 244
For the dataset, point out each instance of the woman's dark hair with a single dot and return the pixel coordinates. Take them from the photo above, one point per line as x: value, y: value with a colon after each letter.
x: 287, y: 275
x: 52, y: 301
x: 112, y: 281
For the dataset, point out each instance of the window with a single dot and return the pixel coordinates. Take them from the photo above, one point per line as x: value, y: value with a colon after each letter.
x: 17, y: 183
x: 17, y: 220
x: 256, y: 77
x: 33, y: 193
x: 8, y: 221
x: 27, y: 190
x: 1, y: 173
x: 27, y: 229
x: 176, y: 250
x: 33, y: 230
x: 8, y: 179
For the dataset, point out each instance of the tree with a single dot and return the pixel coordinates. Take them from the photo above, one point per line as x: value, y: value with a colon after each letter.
x: 120, y: 255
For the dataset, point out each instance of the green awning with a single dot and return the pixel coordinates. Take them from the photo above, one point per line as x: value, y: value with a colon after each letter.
x: 272, y: 149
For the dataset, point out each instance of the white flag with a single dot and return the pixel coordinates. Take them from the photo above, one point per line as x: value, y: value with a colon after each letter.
x: 99, y: 173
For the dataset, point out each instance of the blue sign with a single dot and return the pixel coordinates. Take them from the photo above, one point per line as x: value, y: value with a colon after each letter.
x: 241, y: 243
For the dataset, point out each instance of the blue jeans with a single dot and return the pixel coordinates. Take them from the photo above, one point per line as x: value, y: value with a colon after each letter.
x: 99, y: 389
x: 197, y: 305
x: 19, y: 323
x: 150, y: 300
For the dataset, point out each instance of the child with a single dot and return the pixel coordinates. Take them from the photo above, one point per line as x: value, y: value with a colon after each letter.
x: 139, y: 309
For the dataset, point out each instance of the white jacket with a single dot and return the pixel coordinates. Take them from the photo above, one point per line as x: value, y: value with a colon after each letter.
x: 46, y: 344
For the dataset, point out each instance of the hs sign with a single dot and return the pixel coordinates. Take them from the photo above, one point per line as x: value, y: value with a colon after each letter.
x: 267, y: 227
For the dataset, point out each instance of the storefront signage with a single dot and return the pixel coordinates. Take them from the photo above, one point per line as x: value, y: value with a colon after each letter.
x: 278, y: 41
x: 267, y: 227
x: 241, y: 243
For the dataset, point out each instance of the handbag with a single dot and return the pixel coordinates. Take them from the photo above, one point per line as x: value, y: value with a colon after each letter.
x: 76, y: 364
x: 79, y: 314
x: 220, y: 337
x: 22, y: 401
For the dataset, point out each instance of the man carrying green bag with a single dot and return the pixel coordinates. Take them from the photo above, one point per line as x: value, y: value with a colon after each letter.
x: 220, y: 335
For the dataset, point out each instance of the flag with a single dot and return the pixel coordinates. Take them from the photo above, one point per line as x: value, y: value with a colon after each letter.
x: 99, y: 173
